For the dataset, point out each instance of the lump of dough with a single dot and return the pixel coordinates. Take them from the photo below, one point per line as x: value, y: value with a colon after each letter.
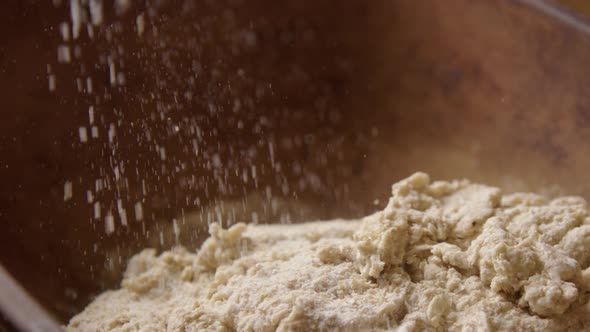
x: 443, y: 255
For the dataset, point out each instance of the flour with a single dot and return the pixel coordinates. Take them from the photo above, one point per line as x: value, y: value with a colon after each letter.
x: 441, y: 256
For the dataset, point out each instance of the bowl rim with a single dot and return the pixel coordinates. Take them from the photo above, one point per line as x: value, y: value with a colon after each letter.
x: 561, y: 13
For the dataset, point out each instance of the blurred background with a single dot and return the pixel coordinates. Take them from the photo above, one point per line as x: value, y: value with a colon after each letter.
x: 135, y: 124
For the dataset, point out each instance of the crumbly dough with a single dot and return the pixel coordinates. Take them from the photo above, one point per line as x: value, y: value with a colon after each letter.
x: 441, y: 256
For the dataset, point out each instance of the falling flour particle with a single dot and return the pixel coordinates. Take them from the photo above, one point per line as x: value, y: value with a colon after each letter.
x: 111, y: 133
x: 51, y: 81
x: 109, y: 223
x: 89, y: 86
x: 64, y: 29
x: 117, y: 174
x: 441, y: 256
x: 83, y: 133
x: 63, y: 54
x: 90, y: 31
x: 91, y: 114
x: 76, y: 17
x: 138, y: 211
x: 112, y: 72
x: 96, y: 209
x: 271, y: 152
x: 123, y: 217
x: 120, y: 78
x: 96, y: 14
x: 140, y: 24
x: 216, y: 161
x: 79, y: 84
x: 122, y: 212
x: 176, y: 229
x: 67, y: 191
x: 77, y: 51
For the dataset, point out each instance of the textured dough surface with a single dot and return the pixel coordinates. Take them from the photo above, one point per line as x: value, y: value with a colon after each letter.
x: 441, y: 256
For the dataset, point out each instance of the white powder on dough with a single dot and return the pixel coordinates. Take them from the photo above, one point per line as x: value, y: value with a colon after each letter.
x: 441, y: 256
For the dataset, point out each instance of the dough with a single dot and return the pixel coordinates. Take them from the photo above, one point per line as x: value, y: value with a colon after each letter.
x: 441, y: 256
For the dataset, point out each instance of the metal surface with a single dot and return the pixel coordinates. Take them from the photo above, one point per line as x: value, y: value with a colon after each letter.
x: 355, y: 95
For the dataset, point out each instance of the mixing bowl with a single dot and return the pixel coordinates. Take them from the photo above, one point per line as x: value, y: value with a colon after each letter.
x: 139, y: 126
